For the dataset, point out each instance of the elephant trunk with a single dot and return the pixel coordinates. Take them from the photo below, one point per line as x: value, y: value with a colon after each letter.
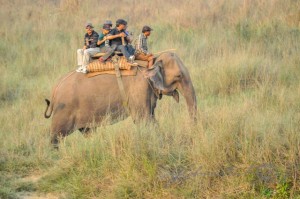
x: 186, y: 88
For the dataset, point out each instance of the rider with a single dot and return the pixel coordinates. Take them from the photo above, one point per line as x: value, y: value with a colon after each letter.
x: 103, y: 42
x: 89, y: 49
x: 141, y: 52
x: 108, y: 22
x: 115, y: 37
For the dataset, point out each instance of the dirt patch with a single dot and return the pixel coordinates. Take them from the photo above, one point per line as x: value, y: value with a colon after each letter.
x: 33, y: 195
x: 32, y: 179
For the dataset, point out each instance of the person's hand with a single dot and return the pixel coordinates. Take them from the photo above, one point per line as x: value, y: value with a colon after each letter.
x: 122, y: 34
x: 84, y: 47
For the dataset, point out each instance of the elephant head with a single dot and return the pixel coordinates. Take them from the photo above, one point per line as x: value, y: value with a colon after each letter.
x: 168, y: 75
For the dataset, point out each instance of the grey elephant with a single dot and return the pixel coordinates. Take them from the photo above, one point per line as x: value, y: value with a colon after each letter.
x: 81, y: 103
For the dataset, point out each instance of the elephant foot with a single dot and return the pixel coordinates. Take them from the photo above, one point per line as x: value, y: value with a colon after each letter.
x: 55, y: 142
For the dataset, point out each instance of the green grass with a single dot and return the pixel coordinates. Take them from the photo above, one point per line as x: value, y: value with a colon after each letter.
x: 243, y: 58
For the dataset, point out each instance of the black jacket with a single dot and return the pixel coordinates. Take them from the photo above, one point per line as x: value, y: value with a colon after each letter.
x: 117, y: 41
x: 90, y: 41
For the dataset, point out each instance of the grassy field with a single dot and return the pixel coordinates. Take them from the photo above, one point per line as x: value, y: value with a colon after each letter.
x: 244, y: 60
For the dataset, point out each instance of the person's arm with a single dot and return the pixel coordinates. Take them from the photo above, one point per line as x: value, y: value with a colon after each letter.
x: 101, y: 39
x: 94, y: 39
x: 139, y: 45
x: 86, y: 43
x: 110, y: 37
x: 128, y: 37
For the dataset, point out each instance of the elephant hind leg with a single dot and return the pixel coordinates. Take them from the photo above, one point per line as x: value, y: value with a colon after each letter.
x: 56, y: 137
x: 60, y: 129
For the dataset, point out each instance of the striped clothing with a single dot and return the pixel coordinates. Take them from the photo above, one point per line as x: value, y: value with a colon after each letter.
x: 141, y: 44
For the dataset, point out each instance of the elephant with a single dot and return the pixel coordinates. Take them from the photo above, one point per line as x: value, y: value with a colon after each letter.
x: 81, y: 103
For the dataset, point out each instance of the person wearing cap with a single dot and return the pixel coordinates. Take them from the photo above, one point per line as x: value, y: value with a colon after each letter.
x: 103, y: 42
x: 115, y: 37
x: 141, y: 47
x: 90, y: 48
x: 108, y: 22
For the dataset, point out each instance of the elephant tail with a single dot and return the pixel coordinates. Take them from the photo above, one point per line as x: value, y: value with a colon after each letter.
x: 46, y: 111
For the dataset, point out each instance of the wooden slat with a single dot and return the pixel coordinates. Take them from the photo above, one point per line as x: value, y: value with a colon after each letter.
x: 141, y: 63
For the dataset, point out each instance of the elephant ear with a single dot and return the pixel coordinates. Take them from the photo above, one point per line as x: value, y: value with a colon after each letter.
x: 155, y: 76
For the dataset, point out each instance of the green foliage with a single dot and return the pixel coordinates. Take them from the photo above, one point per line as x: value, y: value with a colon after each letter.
x: 282, y: 189
x: 6, y: 188
x: 244, y: 30
x: 125, y: 191
x: 267, y: 192
x: 26, y: 187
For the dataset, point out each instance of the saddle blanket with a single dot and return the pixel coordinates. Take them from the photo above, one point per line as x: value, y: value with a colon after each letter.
x: 131, y: 72
x: 127, y: 69
x: 97, y: 66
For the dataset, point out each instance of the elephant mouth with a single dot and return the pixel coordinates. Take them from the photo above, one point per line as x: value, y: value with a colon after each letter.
x: 169, y: 93
x: 173, y: 93
x: 169, y: 90
x: 159, y: 93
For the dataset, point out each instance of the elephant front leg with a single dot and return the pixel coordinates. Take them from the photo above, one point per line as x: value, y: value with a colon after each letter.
x: 142, y: 106
x: 87, y: 131
x: 140, y: 114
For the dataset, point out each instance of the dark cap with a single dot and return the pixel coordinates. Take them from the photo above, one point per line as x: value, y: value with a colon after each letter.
x: 121, y: 21
x: 146, y: 29
x: 107, y: 22
x: 89, y: 24
x: 106, y: 26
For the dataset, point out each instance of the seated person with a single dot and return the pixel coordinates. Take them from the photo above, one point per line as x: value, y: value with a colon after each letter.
x: 141, y: 48
x: 89, y: 49
x: 103, y: 44
x: 115, y: 37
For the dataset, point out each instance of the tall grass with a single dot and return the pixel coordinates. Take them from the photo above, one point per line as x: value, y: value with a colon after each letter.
x: 243, y: 57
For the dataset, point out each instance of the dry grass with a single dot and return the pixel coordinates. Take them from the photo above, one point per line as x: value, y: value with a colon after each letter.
x: 243, y: 57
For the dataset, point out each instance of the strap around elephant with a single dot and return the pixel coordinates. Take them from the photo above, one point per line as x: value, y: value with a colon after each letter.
x: 115, y: 60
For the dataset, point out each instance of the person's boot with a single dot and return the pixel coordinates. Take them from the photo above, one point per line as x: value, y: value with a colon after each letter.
x: 101, y: 60
x: 131, y: 59
x: 84, y: 70
x: 79, y: 69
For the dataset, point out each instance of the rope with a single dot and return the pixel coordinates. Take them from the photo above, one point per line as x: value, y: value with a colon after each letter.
x: 153, y: 89
x: 115, y: 60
